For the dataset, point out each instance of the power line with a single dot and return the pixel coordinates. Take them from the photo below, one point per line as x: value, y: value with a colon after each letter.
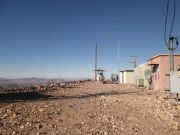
x: 95, y: 64
x: 165, y: 24
x: 57, y: 68
x: 19, y: 51
x: 118, y: 57
x: 56, y: 64
x: 57, y: 72
x: 174, y: 14
x: 171, y: 27
x: 171, y: 38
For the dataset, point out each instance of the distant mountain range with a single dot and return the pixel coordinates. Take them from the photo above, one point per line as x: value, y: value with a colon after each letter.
x: 4, y: 82
x: 22, y: 81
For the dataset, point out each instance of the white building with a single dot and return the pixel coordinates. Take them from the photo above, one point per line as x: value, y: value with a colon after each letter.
x: 126, y: 77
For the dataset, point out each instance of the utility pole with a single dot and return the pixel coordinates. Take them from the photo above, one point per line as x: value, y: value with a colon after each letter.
x: 118, y: 58
x: 134, y: 61
x: 95, y: 65
x: 171, y: 54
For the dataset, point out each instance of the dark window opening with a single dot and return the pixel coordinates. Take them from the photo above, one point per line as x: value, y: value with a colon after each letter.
x: 155, y: 68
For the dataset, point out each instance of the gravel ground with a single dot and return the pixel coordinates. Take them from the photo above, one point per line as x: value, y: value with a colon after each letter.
x: 91, y: 109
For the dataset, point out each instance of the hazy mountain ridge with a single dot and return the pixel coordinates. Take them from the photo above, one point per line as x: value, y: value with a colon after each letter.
x: 22, y: 81
x: 31, y: 81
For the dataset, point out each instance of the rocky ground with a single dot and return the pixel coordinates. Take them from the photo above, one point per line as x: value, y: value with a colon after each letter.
x: 91, y: 109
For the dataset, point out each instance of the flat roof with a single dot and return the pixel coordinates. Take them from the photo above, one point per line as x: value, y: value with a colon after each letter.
x: 126, y: 71
x: 99, y: 70
x: 159, y: 55
x: 153, y: 64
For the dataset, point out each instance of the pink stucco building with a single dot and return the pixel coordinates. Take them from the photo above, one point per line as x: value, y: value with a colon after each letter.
x: 159, y: 64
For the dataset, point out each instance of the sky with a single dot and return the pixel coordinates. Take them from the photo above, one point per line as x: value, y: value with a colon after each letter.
x: 57, y: 38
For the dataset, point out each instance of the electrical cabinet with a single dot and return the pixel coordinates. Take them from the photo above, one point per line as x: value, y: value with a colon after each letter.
x: 175, y: 82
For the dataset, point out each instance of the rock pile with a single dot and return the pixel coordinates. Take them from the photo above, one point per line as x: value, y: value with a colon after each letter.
x: 58, y: 85
x: 20, y: 89
x: 43, y: 87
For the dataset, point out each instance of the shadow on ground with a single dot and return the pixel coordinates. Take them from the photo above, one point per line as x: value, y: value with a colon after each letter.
x: 22, y: 96
x: 35, y: 96
x: 90, y: 95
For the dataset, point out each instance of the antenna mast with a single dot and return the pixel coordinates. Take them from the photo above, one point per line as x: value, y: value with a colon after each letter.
x: 134, y: 61
x: 95, y: 66
x: 118, y: 57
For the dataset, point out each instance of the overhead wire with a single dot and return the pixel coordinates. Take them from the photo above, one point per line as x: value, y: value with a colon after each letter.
x: 58, y: 67
x: 58, y: 75
x: 174, y: 14
x: 171, y: 27
x: 19, y: 51
x: 56, y: 64
x: 167, y: 11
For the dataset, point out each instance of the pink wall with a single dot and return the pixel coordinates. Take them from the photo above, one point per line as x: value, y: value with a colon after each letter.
x: 155, y: 77
x: 159, y: 79
x: 163, y: 71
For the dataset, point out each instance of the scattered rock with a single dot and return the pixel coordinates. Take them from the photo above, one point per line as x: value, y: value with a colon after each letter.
x: 97, y: 114
x: 39, y: 126
x: 22, y: 126
x: 41, y: 110
x: 177, y: 126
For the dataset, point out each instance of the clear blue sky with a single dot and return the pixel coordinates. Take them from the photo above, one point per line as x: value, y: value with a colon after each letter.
x: 44, y: 38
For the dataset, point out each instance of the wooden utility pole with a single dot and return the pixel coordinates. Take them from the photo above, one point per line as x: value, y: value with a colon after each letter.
x: 95, y: 66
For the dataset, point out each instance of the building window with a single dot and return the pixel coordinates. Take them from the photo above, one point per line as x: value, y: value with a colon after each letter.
x: 178, y: 68
x: 155, y: 68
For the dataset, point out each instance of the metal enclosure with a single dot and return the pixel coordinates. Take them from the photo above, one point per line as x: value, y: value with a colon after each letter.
x: 175, y: 82
x: 114, y: 78
x: 100, y: 76
x: 141, y: 82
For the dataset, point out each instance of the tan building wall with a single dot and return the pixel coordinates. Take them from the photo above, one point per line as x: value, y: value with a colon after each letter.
x: 127, y: 77
x: 141, y: 76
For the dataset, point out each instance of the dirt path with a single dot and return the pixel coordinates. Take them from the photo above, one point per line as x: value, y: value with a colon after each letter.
x: 92, y: 109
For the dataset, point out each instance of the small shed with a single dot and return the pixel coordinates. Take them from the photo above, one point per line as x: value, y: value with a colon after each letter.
x: 126, y: 77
